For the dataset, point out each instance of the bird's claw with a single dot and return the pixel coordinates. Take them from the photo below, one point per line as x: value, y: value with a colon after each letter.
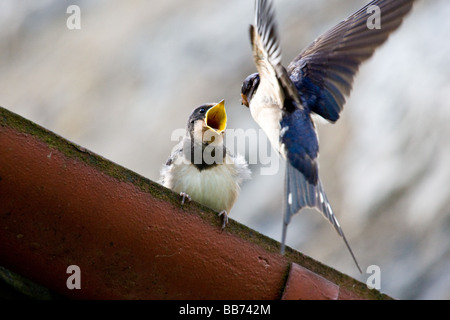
x: 225, y: 218
x: 184, y: 196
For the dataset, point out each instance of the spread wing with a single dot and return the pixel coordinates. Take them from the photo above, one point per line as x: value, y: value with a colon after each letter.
x: 323, y: 73
x: 267, y: 51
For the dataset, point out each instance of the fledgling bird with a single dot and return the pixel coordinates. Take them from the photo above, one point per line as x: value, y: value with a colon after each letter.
x: 317, y: 81
x: 201, y: 168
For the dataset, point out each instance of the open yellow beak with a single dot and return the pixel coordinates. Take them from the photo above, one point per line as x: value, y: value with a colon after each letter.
x: 216, y: 117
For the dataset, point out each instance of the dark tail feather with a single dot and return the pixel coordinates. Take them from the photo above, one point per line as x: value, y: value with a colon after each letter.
x: 299, y: 193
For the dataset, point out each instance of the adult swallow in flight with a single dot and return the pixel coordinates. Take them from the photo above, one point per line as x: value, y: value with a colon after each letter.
x: 317, y: 81
x: 201, y: 168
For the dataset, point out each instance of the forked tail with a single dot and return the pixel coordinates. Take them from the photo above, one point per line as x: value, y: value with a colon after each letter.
x: 299, y: 193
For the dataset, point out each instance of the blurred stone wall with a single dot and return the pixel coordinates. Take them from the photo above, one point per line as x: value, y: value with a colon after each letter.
x: 130, y: 76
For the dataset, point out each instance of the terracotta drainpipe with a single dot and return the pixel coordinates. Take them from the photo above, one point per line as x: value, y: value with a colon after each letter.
x: 62, y: 205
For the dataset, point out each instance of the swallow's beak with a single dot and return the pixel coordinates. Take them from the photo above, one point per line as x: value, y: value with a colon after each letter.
x: 216, y: 117
x: 244, y: 100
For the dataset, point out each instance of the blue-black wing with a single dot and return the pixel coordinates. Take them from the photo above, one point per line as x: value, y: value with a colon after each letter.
x: 323, y: 73
x: 299, y: 142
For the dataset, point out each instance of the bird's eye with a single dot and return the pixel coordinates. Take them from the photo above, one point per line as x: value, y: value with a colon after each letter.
x: 202, y: 110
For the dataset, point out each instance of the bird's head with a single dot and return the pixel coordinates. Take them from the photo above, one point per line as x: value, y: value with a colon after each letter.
x: 208, y: 121
x: 249, y: 88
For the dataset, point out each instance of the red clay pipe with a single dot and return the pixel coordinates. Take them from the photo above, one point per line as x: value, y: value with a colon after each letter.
x: 61, y: 205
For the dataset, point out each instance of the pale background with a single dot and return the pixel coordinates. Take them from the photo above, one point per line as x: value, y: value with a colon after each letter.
x: 124, y: 82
